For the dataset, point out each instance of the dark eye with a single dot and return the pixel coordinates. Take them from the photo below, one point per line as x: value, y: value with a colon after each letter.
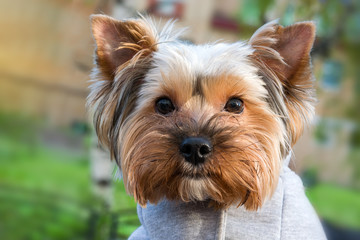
x: 164, y: 106
x: 234, y: 105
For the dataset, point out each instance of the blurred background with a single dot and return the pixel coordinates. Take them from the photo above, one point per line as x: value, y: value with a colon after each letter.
x: 57, y: 183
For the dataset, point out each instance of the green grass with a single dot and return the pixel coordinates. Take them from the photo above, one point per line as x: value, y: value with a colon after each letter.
x: 43, y: 193
x: 337, y: 205
x: 46, y: 193
x: 47, y: 170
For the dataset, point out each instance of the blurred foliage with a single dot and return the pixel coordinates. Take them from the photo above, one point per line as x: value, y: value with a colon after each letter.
x: 320, y: 132
x: 310, y: 177
x: 252, y: 12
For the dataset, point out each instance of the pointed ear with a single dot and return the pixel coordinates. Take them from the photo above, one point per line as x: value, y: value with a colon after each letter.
x: 292, y: 45
x: 283, y: 55
x: 118, y: 42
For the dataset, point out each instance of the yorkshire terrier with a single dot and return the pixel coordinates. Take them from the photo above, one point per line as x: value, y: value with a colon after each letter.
x: 200, y: 123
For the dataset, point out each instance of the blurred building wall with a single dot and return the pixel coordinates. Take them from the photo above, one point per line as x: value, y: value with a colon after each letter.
x: 46, y: 51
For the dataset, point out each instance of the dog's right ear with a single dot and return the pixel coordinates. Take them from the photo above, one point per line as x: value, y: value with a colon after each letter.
x: 283, y: 55
x: 119, y: 43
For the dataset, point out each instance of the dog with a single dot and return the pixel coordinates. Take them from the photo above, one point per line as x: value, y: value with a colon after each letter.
x: 204, y: 130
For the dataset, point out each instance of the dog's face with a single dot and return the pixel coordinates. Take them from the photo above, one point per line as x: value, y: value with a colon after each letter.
x: 208, y: 122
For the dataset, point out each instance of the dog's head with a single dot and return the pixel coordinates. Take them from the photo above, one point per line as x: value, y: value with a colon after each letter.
x: 200, y: 122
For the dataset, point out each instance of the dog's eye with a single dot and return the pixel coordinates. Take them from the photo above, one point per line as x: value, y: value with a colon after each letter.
x: 164, y: 106
x: 234, y: 105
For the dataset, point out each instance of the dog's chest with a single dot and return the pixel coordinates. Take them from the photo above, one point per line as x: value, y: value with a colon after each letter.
x: 287, y: 215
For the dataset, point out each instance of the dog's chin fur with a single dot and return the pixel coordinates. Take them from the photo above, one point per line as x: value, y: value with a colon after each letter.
x: 135, y: 66
x: 244, y: 161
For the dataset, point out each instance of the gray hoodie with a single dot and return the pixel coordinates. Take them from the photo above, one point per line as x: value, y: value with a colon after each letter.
x: 287, y: 215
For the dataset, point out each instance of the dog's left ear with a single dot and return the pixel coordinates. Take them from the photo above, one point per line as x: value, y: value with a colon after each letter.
x: 283, y: 53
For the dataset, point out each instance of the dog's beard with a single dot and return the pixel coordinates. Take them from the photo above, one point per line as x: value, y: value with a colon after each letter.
x: 243, y: 167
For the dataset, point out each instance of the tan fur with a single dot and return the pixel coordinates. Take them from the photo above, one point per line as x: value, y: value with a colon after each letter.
x: 245, y: 161
x: 283, y: 56
x: 248, y: 147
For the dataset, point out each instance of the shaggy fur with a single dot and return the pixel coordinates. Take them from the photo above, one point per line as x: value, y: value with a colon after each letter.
x: 136, y: 66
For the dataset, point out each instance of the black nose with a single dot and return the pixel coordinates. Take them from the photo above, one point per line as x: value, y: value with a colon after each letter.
x: 195, y: 149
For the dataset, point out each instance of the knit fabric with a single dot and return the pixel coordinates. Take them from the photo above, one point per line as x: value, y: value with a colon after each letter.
x: 287, y: 215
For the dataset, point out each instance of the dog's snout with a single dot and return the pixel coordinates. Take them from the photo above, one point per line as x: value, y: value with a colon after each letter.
x: 195, y: 149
